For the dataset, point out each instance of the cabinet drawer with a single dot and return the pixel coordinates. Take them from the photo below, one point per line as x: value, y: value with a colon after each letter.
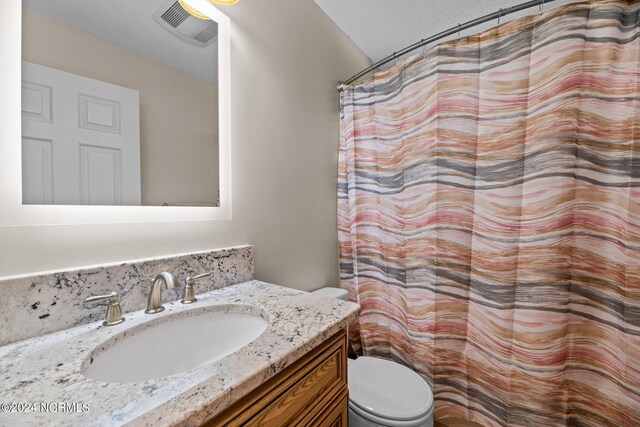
x: 296, y: 395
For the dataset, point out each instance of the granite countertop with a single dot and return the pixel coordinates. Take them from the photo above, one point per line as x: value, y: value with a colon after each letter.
x: 47, y: 369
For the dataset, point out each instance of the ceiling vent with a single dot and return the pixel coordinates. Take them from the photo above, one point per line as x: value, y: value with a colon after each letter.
x: 172, y: 17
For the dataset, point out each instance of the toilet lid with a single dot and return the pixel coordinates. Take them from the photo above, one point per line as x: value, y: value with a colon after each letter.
x: 388, y: 390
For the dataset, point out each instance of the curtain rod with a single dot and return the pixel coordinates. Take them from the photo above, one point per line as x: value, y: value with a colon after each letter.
x: 460, y: 27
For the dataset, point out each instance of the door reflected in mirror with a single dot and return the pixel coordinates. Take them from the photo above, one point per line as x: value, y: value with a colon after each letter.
x: 119, y: 104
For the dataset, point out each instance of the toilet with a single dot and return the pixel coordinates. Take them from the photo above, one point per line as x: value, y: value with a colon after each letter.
x: 382, y: 392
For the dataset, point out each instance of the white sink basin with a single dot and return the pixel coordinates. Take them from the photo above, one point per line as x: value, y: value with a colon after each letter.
x: 174, y: 343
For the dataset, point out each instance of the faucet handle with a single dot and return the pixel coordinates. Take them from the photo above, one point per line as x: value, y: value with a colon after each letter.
x: 198, y: 277
x: 189, y: 294
x: 113, y: 315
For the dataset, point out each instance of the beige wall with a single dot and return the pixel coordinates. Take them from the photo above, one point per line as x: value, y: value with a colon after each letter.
x: 287, y: 57
x: 178, y: 112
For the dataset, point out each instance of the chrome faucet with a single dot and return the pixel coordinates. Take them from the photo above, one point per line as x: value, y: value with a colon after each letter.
x: 154, y: 303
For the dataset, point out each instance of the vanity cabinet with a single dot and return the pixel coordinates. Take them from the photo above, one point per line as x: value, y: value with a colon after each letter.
x: 311, y: 392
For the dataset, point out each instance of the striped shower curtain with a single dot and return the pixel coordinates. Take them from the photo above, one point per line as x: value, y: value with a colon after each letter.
x: 489, y: 218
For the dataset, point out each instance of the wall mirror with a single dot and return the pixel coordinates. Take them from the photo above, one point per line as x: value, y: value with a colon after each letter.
x: 120, y: 104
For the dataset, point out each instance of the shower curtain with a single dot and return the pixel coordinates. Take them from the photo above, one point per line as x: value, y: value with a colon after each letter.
x: 489, y: 218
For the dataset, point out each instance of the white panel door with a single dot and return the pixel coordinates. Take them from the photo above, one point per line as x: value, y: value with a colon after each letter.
x: 91, y: 130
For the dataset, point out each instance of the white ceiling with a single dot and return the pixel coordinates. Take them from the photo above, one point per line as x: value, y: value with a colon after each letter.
x: 381, y: 27
x: 377, y: 27
x: 129, y: 23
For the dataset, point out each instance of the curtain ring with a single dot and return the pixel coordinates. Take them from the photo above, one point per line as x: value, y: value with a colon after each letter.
x: 499, y: 15
x: 424, y: 47
x: 541, y: 6
x: 395, y: 58
x: 459, y: 30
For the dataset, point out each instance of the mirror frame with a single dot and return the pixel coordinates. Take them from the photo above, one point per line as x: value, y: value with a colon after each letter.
x: 14, y: 213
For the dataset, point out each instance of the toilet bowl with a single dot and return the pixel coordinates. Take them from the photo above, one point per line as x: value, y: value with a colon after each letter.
x: 382, y: 392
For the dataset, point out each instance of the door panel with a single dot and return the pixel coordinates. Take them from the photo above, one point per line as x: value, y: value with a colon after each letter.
x: 100, y: 178
x: 99, y: 114
x: 37, y: 174
x: 36, y: 101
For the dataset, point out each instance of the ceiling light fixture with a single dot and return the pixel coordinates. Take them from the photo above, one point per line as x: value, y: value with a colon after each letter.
x: 197, y: 13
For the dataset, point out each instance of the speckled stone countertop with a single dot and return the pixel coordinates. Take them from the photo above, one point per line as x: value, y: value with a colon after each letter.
x: 48, y: 368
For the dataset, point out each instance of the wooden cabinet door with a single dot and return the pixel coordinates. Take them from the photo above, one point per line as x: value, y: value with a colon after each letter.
x: 307, y: 393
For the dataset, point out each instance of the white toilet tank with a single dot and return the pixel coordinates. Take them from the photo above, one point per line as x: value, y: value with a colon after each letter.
x: 337, y: 293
